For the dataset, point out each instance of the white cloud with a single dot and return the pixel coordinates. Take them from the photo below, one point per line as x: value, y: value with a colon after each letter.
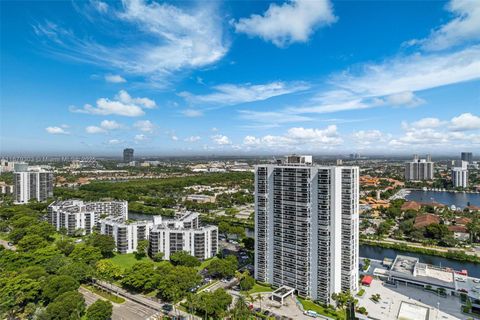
x: 144, y: 126
x: 298, y: 137
x: 110, y: 125
x: 192, y: 113
x: 192, y: 139
x: 140, y: 137
x: 370, y: 137
x: 174, y: 137
x: 122, y: 104
x: 100, y: 6
x: 406, y: 98
x: 163, y: 39
x: 114, y: 141
x: 465, y: 121
x: 57, y: 130
x: 272, y: 117
x: 426, y: 123
x: 114, y: 78
x: 94, y: 130
x: 465, y: 27
x: 231, y: 94
x: 293, y: 21
x: 221, y: 139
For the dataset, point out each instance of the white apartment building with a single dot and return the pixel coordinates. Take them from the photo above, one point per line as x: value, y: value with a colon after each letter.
x: 31, y: 183
x: 77, y: 215
x: 306, y: 227
x: 460, y: 174
x: 183, y: 234
x: 419, y: 169
x: 125, y: 233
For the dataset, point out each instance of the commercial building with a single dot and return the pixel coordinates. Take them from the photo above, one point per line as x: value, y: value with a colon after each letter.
x: 460, y: 174
x: 32, y: 183
x: 127, y: 155
x: 5, y: 188
x: 79, y: 217
x: 419, y: 169
x: 306, y: 227
x: 467, y: 156
x: 183, y: 234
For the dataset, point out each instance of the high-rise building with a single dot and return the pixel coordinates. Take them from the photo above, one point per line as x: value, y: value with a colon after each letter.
x: 419, y: 169
x: 460, y: 174
x: 126, y: 234
x: 467, y: 156
x: 183, y: 234
x: 32, y: 183
x: 127, y: 155
x: 306, y: 227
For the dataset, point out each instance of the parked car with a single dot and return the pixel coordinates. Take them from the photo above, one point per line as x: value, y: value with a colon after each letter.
x: 167, y: 307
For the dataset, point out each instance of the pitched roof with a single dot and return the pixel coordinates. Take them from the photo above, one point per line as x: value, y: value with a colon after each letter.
x: 411, y: 205
x: 425, y: 220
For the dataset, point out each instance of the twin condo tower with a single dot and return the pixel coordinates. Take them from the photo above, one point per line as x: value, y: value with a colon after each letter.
x: 306, y: 227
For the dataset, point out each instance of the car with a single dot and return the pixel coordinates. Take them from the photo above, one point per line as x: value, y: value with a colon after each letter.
x: 266, y: 313
x: 311, y: 313
x: 167, y: 307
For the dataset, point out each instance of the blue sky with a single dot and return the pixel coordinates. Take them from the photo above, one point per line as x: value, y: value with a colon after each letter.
x: 240, y: 77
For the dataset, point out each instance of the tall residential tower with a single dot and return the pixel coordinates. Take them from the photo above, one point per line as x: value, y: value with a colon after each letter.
x: 127, y: 155
x: 32, y: 183
x: 306, y: 227
x: 419, y: 169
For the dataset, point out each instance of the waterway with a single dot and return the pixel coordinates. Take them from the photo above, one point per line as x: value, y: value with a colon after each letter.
x: 459, y: 199
x: 378, y: 253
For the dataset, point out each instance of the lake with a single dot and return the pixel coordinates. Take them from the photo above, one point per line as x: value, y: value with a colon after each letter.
x: 459, y: 199
x: 378, y: 253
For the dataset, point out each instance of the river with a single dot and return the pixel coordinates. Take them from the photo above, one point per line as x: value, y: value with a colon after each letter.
x: 459, y: 199
x: 378, y: 253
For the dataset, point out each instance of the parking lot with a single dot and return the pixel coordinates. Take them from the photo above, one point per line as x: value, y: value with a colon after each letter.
x: 446, y: 308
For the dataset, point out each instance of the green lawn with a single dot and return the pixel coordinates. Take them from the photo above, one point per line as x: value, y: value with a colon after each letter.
x: 206, y: 263
x: 259, y: 288
x: 127, y: 260
x: 105, y: 294
x: 310, y: 305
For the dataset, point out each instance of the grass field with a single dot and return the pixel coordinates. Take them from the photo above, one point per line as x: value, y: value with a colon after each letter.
x: 259, y: 288
x: 105, y: 294
x: 127, y: 260
x: 310, y: 305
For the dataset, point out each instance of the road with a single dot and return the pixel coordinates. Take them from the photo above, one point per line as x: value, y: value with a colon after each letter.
x: 128, y: 310
x: 5, y: 244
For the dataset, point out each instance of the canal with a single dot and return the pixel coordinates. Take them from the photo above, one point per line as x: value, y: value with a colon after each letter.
x: 459, y: 199
x: 378, y: 253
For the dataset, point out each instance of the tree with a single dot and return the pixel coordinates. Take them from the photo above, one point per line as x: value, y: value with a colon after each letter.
x: 247, y: 282
x: 65, y: 246
x: 240, y: 310
x: 183, y: 258
x: 213, y: 304
x: 31, y: 242
x: 142, y: 247
x: 175, y: 282
x: 157, y: 257
x: 100, y: 310
x: 221, y: 268
x: 86, y: 253
x: 16, y: 291
x: 437, y: 231
x: 104, y: 242
x: 67, y: 306
x: 56, y: 285
x: 249, y: 243
x: 107, y: 270
x: 80, y: 271
x: 141, y: 277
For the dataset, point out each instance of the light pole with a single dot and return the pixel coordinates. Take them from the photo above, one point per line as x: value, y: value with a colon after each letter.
x: 438, y: 309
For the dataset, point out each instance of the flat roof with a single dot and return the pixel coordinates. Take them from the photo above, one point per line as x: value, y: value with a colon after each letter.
x: 410, y: 311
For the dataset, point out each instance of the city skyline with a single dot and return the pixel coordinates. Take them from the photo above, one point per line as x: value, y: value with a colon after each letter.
x: 237, y: 78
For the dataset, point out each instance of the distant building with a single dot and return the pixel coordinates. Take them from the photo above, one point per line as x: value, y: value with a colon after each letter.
x: 419, y: 169
x: 460, y: 174
x: 6, y: 166
x: 306, y: 227
x: 126, y: 233
x: 128, y: 155
x: 467, y: 156
x: 77, y: 216
x: 5, y: 188
x: 183, y: 234
x: 32, y: 183
x: 200, y: 198
x: 426, y: 220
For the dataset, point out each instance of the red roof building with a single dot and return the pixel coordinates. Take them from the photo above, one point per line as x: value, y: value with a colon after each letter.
x: 426, y: 220
x: 367, y: 280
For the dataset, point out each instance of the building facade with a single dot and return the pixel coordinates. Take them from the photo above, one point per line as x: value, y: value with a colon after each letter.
x: 460, y: 176
x: 79, y: 217
x: 306, y: 227
x: 183, y: 234
x: 127, y: 155
x: 32, y: 183
x: 419, y: 169
x: 126, y: 234
x: 467, y: 156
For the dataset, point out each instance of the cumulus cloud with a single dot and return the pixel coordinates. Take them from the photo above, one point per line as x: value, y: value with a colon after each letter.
x: 57, y: 130
x: 221, y: 139
x: 192, y: 113
x: 110, y: 125
x: 232, y: 94
x: 140, y: 137
x: 122, y: 104
x: 114, y: 141
x: 370, y: 137
x: 293, y: 21
x: 465, y: 121
x: 425, y: 123
x: 114, y: 78
x: 163, y: 39
x: 144, y: 126
x: 94, y: 130
x: 463, y: 28
x: 192, y: 139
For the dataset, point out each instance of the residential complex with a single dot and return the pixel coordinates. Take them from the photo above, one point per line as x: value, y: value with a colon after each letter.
x: 183, y: 234
x: 419, y: 169
x: 460, y: 174
x: 467, y: 156
x: 306, y: 227
x: 81, y: 217
x: 32, y: 183
x: 127, y: 155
